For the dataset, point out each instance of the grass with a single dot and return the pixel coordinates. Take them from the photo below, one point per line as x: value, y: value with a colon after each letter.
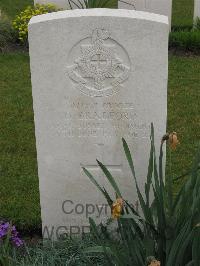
x: 19, y: 195
x: 12, y: 7
x: 67, y: 252
x: 182, y: 13
x: 185, y: 41
x: 183, y: 111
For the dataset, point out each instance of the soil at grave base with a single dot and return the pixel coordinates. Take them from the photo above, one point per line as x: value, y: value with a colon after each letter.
x: 182, y: 52
x: 33, y: 240
x: 13, y: 48
x: 31, y: 236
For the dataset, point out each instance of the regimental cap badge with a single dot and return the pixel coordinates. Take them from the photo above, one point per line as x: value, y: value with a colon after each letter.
x: 99, y: 70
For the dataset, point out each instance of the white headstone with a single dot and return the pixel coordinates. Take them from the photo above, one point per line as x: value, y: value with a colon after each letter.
x: 62, y: 3
x: 97, y: 75
x: 59, y: 3
x: 65, y: 4
x: 162, y: 7
x: 196, y: 9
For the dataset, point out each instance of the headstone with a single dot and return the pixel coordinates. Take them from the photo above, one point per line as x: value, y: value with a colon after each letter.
x: 97, y: 75
x: 59, y: 3
x: 65, y: 4
x: 162, y: 7
x: 196, y: 9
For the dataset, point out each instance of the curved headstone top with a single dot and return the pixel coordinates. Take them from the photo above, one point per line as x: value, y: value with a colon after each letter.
x: 100, y: 12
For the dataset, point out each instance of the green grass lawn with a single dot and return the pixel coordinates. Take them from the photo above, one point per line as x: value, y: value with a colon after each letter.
x: 13, y: 7
x: 183, y: 111
x: 182, y: 13
x: 19, y: 196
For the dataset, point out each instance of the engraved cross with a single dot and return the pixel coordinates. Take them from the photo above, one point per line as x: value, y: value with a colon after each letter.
x: 98, y: 61
x: 96, y: 168
x: 115, y: 169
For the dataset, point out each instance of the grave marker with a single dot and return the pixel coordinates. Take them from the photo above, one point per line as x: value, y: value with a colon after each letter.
x: 162, y: 7
x: 97, y: 75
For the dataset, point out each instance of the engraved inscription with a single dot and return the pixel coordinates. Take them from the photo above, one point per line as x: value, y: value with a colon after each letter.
x: 102, y: 119
x: 101, y: 67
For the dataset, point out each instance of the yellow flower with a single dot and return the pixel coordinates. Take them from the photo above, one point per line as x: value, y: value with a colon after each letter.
x: 116, y: 208
x: 154, y: 263
x: 173, y: 140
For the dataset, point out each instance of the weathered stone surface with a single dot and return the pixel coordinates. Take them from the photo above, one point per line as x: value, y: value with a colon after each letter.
x: 196, y: 9
x: 97, y: 76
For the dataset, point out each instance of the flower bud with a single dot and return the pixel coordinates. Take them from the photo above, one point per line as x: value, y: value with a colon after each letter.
x: 116, y: 208
x: 173, y: 140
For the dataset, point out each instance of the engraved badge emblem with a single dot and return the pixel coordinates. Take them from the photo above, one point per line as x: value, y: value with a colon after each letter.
x: 98, y: 65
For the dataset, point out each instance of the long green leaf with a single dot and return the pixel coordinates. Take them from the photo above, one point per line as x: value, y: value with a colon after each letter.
x: 150, y: 170
x: 110, y: 178
x: 177, y: 244
x: 145, y: 209
x: 102, y: 190
x: 196, y: 247
x: 97, y: 249
x: 95, y: 232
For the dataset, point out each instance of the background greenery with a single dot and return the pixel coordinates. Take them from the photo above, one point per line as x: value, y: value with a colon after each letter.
x: 183, y: 111
x: 185, y: 40
x: 182, y: 14
x: 12, y: 7
x: 19, y: 195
